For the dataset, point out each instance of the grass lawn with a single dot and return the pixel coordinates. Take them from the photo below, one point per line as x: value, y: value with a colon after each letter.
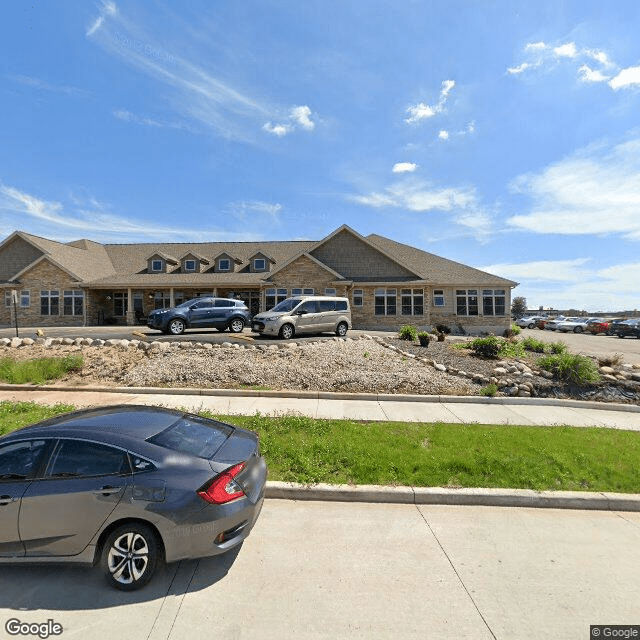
x: 301, y: 449
x: 38, y: 370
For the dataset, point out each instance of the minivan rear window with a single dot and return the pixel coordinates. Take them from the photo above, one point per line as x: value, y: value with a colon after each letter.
x: 341, y: 305
x: 193, y: 436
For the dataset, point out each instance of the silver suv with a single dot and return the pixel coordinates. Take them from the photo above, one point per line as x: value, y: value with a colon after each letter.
x: 305, y: 314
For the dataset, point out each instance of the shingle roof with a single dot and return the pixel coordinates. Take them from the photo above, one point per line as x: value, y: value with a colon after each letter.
x: 435, y: 269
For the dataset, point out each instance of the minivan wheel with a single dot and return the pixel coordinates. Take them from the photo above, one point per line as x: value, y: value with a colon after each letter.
x: 341, y: 329
x: 176, y: 327
x: 286, y: 331
x: 130, y: 556
x: 236, y: 325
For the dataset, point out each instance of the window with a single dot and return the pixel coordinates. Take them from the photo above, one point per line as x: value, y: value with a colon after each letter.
x: 161, y: 300
x: 467, y: 302
x: 25, y: 298
x: 412, y: 301
x: 224, y: 303
x: 341, y: 305
x: 385, y: 302
x: 310, y: 306
x: 296, y: 292
x: 327, y: 305
x: 8, y: 300
x: 358, y: 297
x: 77, y: 458
x: 224, y: 264
x: 438, y: 297
x: 156, y: 265
x: 203, y: 304
x: 329, y: 292
x: 20, y: 460
x: 49, y: 303
x: 189, y: 265
x: 178, y: 298
x: 493, y: 302
x: 273, y: 297
x: 259, y: 264
x: 120, y: 304
x: 309, y: 292
x: 73, y: 303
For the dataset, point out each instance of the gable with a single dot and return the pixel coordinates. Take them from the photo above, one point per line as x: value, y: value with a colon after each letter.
x: 302, y: 270
x: 45, y: 274
x: 357, y: 260
x: 16, y: 255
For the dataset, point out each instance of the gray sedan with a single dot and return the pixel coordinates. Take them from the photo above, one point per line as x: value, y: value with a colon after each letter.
x: 127, y: 486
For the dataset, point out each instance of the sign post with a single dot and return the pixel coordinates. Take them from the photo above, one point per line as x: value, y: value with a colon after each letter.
x: 14, y: 297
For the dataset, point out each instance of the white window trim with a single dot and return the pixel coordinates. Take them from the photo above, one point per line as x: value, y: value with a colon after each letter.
x: 27, y: 293
x: 330, y: 292
x: 495, y: 293
x: 154, y: 262
x: 468, y: 295
x: 187, y: 267
x: 259, y: 268
x: 74, y: 294
x: 228, y: 263
x: 386, y: 293
x: 439, y: 293
x: 413, y: 294
x: 358, y: 293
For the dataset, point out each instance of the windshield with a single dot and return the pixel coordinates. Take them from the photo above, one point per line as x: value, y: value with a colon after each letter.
x: 287, y: 305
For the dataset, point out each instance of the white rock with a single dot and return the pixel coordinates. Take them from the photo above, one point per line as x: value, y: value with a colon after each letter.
x: 16, y: 342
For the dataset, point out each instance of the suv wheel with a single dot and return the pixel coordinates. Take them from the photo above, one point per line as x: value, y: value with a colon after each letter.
x: 236, y: 325
x: 341, y: 329
x: 577, y: 330
x: 129, y: 556
x: 286, y: 331
x: 176, y: 326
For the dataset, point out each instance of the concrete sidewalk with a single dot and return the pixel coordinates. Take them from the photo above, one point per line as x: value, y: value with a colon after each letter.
x: 402, y: 408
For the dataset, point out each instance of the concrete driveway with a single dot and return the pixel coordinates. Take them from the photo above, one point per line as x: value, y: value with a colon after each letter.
x: 357, y: 570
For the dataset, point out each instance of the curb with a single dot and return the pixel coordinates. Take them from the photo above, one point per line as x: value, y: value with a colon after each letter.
x: 333, y: 395
x: 454, y: 497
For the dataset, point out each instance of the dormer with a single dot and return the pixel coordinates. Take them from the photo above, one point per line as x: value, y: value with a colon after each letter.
x: 260, y: 262
x: 225, y: 263
x: 192, y: 263
x: 160, y: 262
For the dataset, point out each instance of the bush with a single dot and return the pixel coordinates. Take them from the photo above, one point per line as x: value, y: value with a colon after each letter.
x: 424, y: 337
x: 571, y: 367
x: 408, y: 332
x: 443, y: 328
x: 532, y: 344
x: 488, y: 347
x: 490, y: 390
x: 558, y: 347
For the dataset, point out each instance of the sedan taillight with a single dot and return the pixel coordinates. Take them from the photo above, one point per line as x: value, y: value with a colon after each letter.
x: 223, y: 488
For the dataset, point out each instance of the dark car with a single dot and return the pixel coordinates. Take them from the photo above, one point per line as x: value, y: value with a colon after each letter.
x: 628, y: 328
x: 612, y: 330
x: 202, y: 313
x: 127, y: 486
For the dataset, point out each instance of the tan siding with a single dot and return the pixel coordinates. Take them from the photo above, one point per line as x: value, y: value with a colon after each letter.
x: 16, y: 256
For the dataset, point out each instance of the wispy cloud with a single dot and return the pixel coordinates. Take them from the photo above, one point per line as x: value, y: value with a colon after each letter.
x: 548, y: 270
x: 595, y: 191
x: 419, y: 196
x: 255, y: 210
x: 87, y: 217
x: 127, y: 116
x: 193, y: 90
x: 53, y: 88
x: 422, y: 111
x: 404, y: 167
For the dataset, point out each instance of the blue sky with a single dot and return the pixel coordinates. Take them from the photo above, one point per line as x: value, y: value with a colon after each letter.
x: 504, y: 135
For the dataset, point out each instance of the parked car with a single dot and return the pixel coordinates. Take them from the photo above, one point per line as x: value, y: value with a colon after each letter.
x: 541, y: 322
x: 201, y: 313
x: 527, y: 322
x: 598, y: 326
x: 628, y: 328
x: 552, y: 324
x: 127, y: 486
x: 613, y: 326
x: 306, y: 314
x: 577, y: 325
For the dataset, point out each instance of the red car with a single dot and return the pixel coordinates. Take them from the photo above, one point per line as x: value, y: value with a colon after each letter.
x: 598, y: 325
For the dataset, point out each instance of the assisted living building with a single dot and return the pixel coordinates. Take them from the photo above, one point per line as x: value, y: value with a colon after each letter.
x: 389, y: 284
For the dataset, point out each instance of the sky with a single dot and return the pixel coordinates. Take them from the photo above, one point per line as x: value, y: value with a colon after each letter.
x: 501, y: 134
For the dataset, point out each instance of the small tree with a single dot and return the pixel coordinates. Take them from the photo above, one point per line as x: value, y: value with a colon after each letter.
x: 518, y: 307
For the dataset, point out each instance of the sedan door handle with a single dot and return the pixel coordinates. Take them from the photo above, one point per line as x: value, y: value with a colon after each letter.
x: 108, y: 490
x: 7, y: 500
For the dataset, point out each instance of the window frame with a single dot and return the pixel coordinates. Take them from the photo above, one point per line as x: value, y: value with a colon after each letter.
x: 389, y: 306
x: 357, y: 294
x: 439, y: 298
x: 227, y: 261
x: 416, y: 302
x: 75, y: 296
x: 494, y: 295
x: 156, y: 262
x: 330, y: 291
x: 52, y: 296
x: 190, y: 261
x: 61, y: 442
x: 258, y: 268
x: 120, y: 300
x: 467, y: 296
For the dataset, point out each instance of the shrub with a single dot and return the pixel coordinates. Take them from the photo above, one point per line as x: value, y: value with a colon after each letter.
x: 532, y: 344
x: 610, y: 361
x: 490, y: 390
x: 571, y: 367
x: 558, y: 347
x: 511, y: 349
x: 424, y: 337
x: 488, y: 347
x: 408, y: 332
x: 443, y: 328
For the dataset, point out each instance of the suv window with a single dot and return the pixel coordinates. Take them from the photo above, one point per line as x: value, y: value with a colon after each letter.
x: 20, y: 460
x: 224, y: 303
x: 78, y: 458
x: 327, y: 305
x: 203, y: 304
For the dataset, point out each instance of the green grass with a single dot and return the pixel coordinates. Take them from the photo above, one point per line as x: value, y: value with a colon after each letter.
x: 571, y: 367
x: 39, y: 370
x: 300, y: 449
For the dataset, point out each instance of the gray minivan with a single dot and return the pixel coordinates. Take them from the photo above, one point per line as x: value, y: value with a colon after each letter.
x: 305, y: 314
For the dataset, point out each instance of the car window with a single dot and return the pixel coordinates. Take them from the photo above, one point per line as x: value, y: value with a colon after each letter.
x: 310, y: 306
x: 287, y: 305
x: 139, y: 464
x: 78, y: 458
x: 203, y: 304
x: 196, y: 436
x: 225, y: 303
x: 341, y: 305
x: 327, y: 305
x: 20, y: 460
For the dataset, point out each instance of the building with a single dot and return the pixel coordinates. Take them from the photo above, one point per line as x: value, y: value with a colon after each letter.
x: 389, y: 284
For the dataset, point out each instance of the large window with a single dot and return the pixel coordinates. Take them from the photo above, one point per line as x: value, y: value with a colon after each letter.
x: 73, y: 303
x: 467, y: 302
x: 412, y: 301
x: 49, y: 303
x: 120, y: 304
x: 161, y: 300
x: 493, y: 302
x: 438, y: 297
x: 273, y: 297
x: 385, y: 302
x: 358, y: 297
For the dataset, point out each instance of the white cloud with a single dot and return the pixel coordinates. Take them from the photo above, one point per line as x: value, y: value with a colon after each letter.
x: 404, y: 167
x: 551, y: 270
x: 276, y: 129
x: 255, y: 211
x: 299, y: 117
x: 422, y: 111
x: 567, y: 50
x: 535, y: 46
x: 45, y: 86
x: 443, y: 134
x: 107, y: 9
x: 587, y: 74
x: 595, y: 191
x: 86, y: 217
x: 127, y: 116
x: 626, y: 78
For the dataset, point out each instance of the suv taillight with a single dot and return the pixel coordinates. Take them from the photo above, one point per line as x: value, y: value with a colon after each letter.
x: 223, y: 488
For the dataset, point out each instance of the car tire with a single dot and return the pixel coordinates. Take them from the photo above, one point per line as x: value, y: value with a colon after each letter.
x: 286, y: 331
x: 577, y: 330
x: 621, y: 335
x: 530, y: 326
x: 129, y: 556
x: 236, y: 325
x: 341, y: 329
x: 176, y: 326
